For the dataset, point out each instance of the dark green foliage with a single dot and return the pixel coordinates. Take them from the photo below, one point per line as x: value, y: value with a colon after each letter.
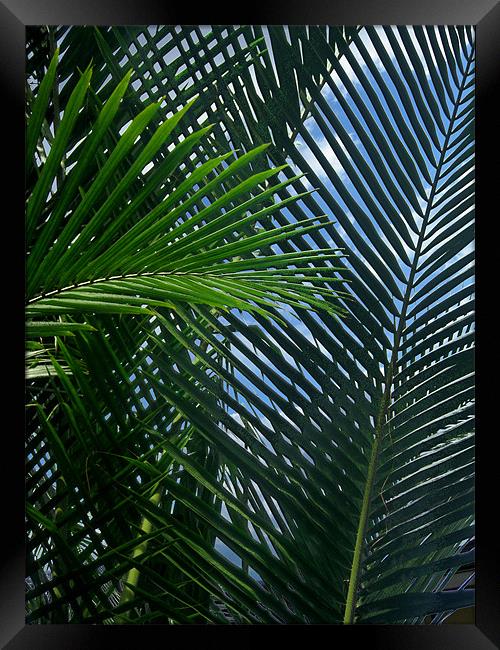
x: 169, y: 426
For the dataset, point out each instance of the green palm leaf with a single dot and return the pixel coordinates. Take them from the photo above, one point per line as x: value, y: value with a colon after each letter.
x: 143, y: 266
x: 310, y: 469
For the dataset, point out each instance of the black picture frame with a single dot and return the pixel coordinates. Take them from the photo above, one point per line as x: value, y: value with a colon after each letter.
x: 15, y: 15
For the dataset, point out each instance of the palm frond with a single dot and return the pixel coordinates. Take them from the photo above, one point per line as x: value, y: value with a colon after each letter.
x: 310, y: 469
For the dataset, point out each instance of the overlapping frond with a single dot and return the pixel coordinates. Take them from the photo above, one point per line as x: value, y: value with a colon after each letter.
x: 308, y: 469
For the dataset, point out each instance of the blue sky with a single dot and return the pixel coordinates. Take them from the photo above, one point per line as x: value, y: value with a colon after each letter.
x: 415, y: 217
